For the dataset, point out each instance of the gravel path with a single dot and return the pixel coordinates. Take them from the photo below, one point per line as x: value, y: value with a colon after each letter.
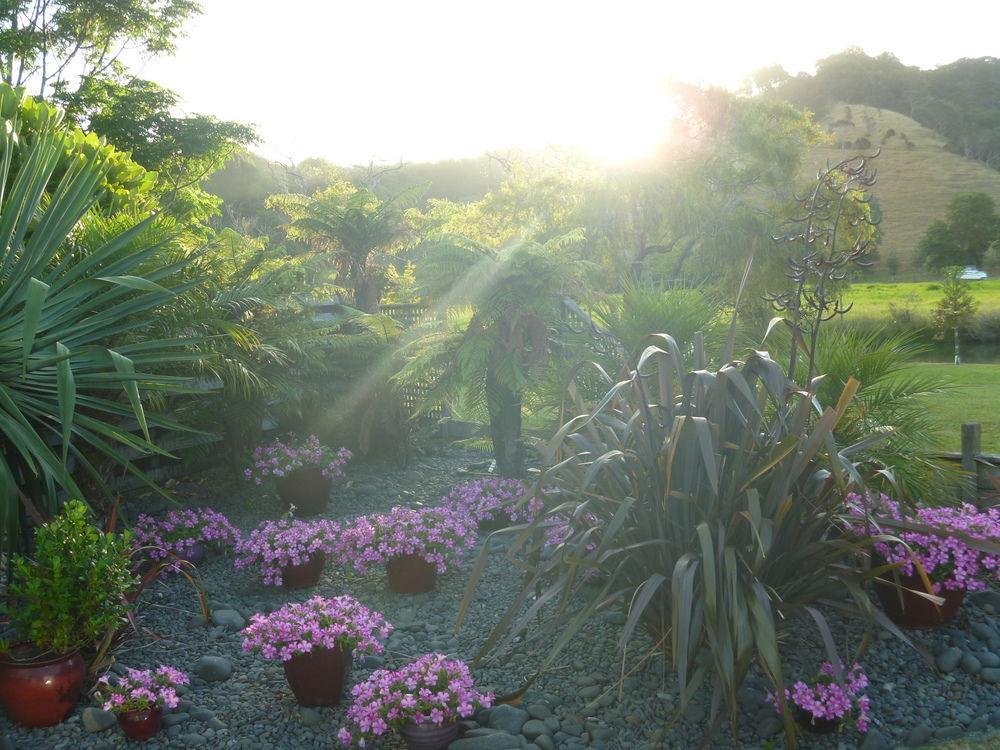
x: 242, y: 701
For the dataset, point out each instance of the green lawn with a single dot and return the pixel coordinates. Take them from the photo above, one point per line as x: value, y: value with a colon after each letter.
x: 872, y: 301
x: 976, y: 399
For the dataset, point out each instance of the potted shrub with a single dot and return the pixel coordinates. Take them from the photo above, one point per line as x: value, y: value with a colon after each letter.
x: 186, y: 534
x: 316, y: 641
x: 492, y: 503
x: 423, y: 701
x: 823, y: 704
x: 65, y: 598
x: 139, y: 697
x: 303, y: 471
x: 414, y: 544
x: 952, y: 565
x: 290, y: 552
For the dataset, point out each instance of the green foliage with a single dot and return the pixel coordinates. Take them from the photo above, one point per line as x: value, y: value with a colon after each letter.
x: 72, y: 589
x: 956, y: 308
x: 74, y: 366
x: 964, y: 235
x: 703, y: 502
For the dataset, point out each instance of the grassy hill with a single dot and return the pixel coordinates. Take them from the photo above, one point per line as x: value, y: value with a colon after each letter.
x: 916, y: 176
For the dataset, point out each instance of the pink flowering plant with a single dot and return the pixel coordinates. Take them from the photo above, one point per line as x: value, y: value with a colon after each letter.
x: 319, y: 623
x: 179, y: 532
x: 487, y: 500
x: 440, y: 536
x: 825, y: 699
x: 281, y: 457
x: 433, y: 689
x: 947, y: 558
x: 274, y: 545
x: 141, y: 689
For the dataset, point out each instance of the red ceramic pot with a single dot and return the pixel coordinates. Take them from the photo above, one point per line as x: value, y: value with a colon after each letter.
x: 305, y: 575
x: 141, y: 724
x: 429, y: 736
x: 913, y: 611
x: 39, y: 693
x: 817, y: 726
x: 317, y: 678
x: 410, y: 574
x: 306, y: 488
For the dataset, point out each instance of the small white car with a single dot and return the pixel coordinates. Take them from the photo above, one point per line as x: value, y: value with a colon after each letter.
x: 971, y: 273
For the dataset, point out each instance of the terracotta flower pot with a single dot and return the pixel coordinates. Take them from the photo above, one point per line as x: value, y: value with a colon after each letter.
x: 816, y: 726
x: 141, y: 724
x: 317, y: 678
x: 429, y: 736
x: 410, y: 574
x: 912, y: 611
x: 40, y: 693
x: 305, y: 575
x: 306, y: 488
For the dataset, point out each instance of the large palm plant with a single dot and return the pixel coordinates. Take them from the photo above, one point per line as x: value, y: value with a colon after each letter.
x: 73, y: 372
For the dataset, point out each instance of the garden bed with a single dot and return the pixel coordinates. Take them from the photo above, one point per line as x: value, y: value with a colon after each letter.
x: 245, y: 702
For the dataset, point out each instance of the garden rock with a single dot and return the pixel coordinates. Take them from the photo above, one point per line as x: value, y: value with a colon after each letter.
x: 875, y: 741
x: 178, y: 718
x: 919, y: 735
x: 948, y: 659
x: 971, y: 664
x: 533, y: 728
x: 229, y: 619
x: 991, y: 675
x: 193, y: 740
x: 544, y: 742
x: 310, y: 716
x: 494, y: 741
x: 947, y: 733
x: 97, y: 720
x: 539, y: 711
x: 508, y: 718
x: 213, y: 668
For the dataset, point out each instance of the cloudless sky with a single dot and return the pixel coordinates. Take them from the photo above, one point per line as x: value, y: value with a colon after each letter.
x: 354, y: 80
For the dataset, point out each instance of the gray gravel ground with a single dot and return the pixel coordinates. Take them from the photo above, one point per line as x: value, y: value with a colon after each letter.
x: 580, y: 703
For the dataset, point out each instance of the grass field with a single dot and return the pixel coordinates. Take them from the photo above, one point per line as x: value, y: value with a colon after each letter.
x: 874, y: 300
x: 976, y: 399
x: 914, y: 184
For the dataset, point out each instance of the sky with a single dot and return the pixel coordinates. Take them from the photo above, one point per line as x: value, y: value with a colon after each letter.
x: 396, y: 80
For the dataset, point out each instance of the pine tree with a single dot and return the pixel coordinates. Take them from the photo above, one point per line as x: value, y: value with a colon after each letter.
x: 955, y: 310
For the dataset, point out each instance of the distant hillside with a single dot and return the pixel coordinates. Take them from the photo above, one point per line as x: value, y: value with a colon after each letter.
x: 917, y: 176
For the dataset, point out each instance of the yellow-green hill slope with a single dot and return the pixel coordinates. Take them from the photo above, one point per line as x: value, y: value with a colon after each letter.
x: 916, y: 176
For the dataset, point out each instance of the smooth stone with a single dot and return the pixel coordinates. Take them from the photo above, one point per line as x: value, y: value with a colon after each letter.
x: 539, y: 711
x: 573, y: 730
x: 971, y: 664
x: 948, y: 659
x: 770, y: 726
x: 179, y: 718
x: 947, y: 733
x: 534, y: 728
x: 97, y: 720
x: 310, y: 716
x: 213, y: 668
x: 552, y: 723
x: 508, y: 718
x: 979, y: 724
x: 545, y: 742
x: 193, y: 740
x: 991, y: 675
x: 495, y: 741
x: 988, y: 659
x: 875, y: 741
x: 229, y: 619
x: 202, y: 714
x: 995, y: 719
x: 590, y: 692
x: 982, y: 631
x: 919, y: 735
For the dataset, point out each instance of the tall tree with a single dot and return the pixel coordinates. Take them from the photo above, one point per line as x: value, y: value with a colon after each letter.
x: 971, y: 225
x: 955, y: 309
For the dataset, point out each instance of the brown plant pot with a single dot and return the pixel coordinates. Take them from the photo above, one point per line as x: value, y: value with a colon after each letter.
x: 410, y: 574
x: 317, y: 678
x: 816, y: 726
x: 141, y: 724
x: 429, y: 736
x: 40, y: 693
x: 306, y: 488
x: 910, y: 610
x: 305, y: 575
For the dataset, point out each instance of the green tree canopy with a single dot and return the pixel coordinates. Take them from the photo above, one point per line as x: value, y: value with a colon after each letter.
x: 971, y: 225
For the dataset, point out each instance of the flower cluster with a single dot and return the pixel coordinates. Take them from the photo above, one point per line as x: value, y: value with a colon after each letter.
x: 433, y: 689
x: 278, y: 459
x: 439, y: 535
x: 948, y: 560
x: 298, y: 628
x: 276, y: 544
x: 826, y: 699
x: 484, y: 500
x: 181, y: 532
x: 140, y: 689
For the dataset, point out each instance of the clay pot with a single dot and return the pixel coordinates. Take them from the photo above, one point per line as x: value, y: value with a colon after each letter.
x: 410, y: 574
x: 429, y: 736
x: 317, y: 678
x: 912, y: 611
x: 141, y: 724
x: 305, y: 575
x: 306, y: 488
x: 816, y: 726
x: 40, y: 693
